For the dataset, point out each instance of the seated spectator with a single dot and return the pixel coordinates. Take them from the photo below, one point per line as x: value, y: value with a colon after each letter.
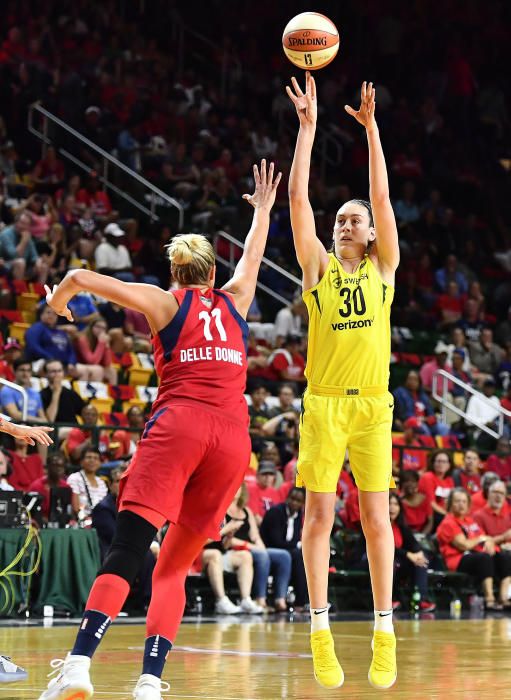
x: 459, y: 342
x: 11, y: 352
x: 451, y: 272
x: 483, y: 412
x: 259, y: 413
x: 42, y: 214
x: 104, y: 516
x: 285, y: 430
x: 11, y: 401
x: 84, y: 309
x: 287, y: 364
x: 485, y: 355
x: 286, y: 398
x: 411, y: 401
x: 136, y: 326
x: 26, y: 467
x: 281, y: 528
x: 417, y: 508
x: 93, y: 350
x: 469, y: 476
x: 262, y: 494
x: 429, y: 368
x: 45, y: 341
x: 218, y: 557
x: 409, y: 458
x: 410, y: 562
x: 128, y: 439
x: 437, y: 482
x: 290, y: 320
x: 450, y: 306
x: 276, y: 561
x: 494, y: 518
x: 80, y: 439
x: 500, y: 461
x: 54, y: 478
x: 88, y: 489
x: 18, y: 251
x: 460, y: 395
x: 61, y: 405
x: 5, y: 470
x: 472, y: 321
x: 49, y: 171
x: 112, y: 257
x: 466, y: 548
x: 480, y: 498
x: 96, y: 199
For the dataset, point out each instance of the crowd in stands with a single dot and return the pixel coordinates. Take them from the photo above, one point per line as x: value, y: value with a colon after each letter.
x: 195, y: 135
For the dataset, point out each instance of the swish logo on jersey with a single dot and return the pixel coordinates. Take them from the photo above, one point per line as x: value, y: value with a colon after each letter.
x: 207, y: 302
x: 348, y: 325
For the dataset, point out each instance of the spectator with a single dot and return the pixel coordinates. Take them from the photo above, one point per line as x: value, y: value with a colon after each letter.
x: 26, y: 467
x: 429, y: 368
x: 483, y: 409
x: 480, y: 498
x: 93, y: 350
x: 42, y: 215
x: 83, y: 309
x: 287, y: 364
x: 49, y: 171
x: 500, y: 461
x: 281, y: 528
x: 274, y: 560
x: 286, y: 398
x: 112, y: 257
x: 472, y: 321
x: 18, y: 251
x: 485, y: 355
x: 96, y: 199
x: 285, y: 429
x: 417, y: 508
x: 128, y: 439
x: 12, y: 402
x: 88, y: 489
x: 459, y: 394
x: 104, y: 515
x: 411, y: 401
x: 409, y: 458
x: 80, y: 439
x: 45, y: 341
x: 218, y: 557
x: 466, y: 548
x: 451, y: 272
x: 258, y: 412
x: 503, y: 331
x: 290, y: 320
x: 262, y: 494
x: 406, y: 208
x: 494, y: 518
x: 5, y: 470
x: 11, y: 353
x: 468, y: 476
x: 437, y: 482
x: 136, y: 326
x: 450, y: 305
x: 55, y: 473
x: 61, y: 405
x: 459, y: 342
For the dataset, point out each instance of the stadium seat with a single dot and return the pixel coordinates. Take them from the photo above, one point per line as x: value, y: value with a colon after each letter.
x: 139, y: 375
x: 103, y: 405
x: 116, y: 418
x: 18, y: 329
x: 27, y: 301
x: 122, y: 392
x: 93, y: 390
x: 146, y: 393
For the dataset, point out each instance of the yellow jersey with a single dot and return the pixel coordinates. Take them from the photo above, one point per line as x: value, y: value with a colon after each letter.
x: 349, y: 329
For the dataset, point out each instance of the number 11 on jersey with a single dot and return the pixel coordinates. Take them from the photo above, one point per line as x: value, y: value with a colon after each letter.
x: 217, y: 316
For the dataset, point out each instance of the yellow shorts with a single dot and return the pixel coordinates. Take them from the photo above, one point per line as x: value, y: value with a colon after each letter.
x: 331, y: 424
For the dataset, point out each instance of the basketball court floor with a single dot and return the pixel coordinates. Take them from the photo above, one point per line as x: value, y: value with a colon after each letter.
x: 259, y: 659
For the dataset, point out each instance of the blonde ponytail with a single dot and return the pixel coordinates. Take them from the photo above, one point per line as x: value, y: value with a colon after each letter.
x: 191, y: 258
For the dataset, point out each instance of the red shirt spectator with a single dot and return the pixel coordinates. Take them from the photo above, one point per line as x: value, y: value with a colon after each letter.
x: 447, y: 531
x: 417, y: 507
x: 429, y: 368
x: 500, y: 463
x: 417, y: 516
x: 471, y: 482
x: 42, y: 486
x: 25, y: 468
x: 412, y: 459
x: 262, y: 495
x: 56, y: 470
x: 287, y: 363
x: 494, y: 523
x: 436, y: 488
x: 352, y: 511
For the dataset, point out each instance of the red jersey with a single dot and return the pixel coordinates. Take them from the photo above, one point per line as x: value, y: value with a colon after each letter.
x: 436, y: 489
x: 201, y: 355
x: 447, y: 531
x: 417, y: 516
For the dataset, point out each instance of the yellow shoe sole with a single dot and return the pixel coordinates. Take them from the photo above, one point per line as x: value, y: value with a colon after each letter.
x: 381, y: 687
x: 329, y: 687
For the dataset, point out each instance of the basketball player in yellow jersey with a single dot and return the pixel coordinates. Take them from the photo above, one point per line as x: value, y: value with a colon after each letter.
x: 348, y: 293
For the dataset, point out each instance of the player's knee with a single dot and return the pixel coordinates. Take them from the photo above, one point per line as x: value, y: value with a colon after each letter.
x: 374, y: 523
x: 131, y: 541
x: 320, y: 518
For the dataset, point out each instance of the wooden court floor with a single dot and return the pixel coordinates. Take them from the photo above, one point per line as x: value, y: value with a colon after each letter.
x: 261, y: 660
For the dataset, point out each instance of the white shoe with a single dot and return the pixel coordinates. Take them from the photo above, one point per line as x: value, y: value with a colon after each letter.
x: 73, y: 681
x: 150, y: 687
x: 250, y: 607
x: 9, y: 672
x: 225, y: 606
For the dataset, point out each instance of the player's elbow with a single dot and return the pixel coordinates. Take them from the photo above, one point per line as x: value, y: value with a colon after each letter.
x: 297, y: 197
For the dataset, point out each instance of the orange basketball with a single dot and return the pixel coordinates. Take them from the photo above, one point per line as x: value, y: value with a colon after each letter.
x: 310, y: 40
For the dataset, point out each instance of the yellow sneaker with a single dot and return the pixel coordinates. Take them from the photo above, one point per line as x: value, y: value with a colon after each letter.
x: 327, y: 670
x: 383, y: 670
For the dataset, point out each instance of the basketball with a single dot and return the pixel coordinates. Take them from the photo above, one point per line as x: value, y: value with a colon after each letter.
x: 310, y: 41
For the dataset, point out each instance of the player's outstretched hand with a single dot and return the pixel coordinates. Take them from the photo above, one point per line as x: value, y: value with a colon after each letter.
x: 31, y: 434
x: 65, y: 311
x: 265, y: 187
x: 365, y: 114
x: 305, y: 103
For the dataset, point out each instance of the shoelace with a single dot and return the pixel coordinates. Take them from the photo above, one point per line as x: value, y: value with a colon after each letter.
x: 324, y: 656
x: 384, y: 658
x: 56, y: 665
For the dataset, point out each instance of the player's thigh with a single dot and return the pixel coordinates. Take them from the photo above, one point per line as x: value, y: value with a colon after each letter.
x: 323, y: 439
x: 370, y: 444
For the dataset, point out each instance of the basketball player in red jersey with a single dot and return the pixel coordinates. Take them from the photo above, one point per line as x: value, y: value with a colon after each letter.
x: 195, y: 448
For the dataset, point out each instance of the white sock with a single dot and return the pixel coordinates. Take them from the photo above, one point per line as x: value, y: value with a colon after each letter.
x: 383, y: 621
x: 319, y: 619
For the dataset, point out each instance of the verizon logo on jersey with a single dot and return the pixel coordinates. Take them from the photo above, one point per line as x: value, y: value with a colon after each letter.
x: 209, y: 353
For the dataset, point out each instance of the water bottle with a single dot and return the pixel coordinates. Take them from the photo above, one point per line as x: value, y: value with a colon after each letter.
x: 198, y: 605
x: 415, y: 601
x: 455, y: 608
x: 290, y: 596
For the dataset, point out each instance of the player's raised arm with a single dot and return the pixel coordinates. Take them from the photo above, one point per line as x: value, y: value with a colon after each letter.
x: 311, y: 254
x: 150, y: 300
x: 243, y: 283
x: 387, y: 247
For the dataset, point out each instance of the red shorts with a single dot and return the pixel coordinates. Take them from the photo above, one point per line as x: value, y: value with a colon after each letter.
x: 188, y: 466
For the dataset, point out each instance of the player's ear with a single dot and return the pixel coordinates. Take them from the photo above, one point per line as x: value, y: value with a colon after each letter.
x: 372, y: 234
